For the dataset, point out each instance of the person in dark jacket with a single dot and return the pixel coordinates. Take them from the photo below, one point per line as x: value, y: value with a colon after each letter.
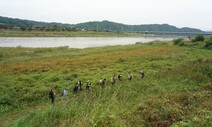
x: 142, y: 74
x: 119, y: 77
x: 52, y: 95
x: 76, y: 88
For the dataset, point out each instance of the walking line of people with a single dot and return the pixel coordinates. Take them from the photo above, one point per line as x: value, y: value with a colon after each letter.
x: 102, y: 82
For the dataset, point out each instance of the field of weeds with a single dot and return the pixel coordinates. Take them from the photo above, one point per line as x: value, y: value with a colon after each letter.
x: 176, y: 90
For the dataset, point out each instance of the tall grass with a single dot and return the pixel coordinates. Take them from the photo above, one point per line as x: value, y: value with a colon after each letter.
x: 176, y: 89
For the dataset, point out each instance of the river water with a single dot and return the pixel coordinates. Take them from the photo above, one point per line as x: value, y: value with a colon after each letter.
x: 73, y: 42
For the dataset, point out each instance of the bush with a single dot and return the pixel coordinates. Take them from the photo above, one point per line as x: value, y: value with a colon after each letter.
x: 177, y: 41
x: 199, y: 38
x: 208, y: 44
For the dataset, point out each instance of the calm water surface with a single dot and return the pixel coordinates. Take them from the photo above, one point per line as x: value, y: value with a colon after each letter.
x: 73, y: 42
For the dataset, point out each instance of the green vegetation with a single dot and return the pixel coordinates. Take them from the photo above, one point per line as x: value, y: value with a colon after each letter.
x: 23, y: 23
x: 18, y: 33
x: 199, y: 38
x: 103, y: 26
x: 208, y: 44
x: 107, y: 25
x: 178, y: 41
x: 176, y: 90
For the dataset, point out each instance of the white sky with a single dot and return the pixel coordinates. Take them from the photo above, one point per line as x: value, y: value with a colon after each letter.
x: 181, y: 13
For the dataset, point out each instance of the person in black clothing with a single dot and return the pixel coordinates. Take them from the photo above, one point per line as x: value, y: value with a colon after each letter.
x: 76, y: 88
x: 52, y: 95
x: 142, y: 74
x: 119, y: 77
x: 104, y: 82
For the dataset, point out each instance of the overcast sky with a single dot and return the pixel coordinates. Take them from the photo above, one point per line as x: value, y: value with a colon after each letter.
x: 181, y: 13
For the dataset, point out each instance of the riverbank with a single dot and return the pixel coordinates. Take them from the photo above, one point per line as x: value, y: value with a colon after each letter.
x: 15, y: 33
x: 176, y: 89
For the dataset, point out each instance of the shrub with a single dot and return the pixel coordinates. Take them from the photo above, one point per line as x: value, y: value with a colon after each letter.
x: 199, y: 38
x: 177, y: 41
x: 208, y: 44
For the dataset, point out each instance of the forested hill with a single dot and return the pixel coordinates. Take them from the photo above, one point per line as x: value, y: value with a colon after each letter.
x: 107, y: 25
x: 99, y: 26
x: 27, y: 23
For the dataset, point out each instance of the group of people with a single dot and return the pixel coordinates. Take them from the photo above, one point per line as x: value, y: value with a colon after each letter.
x: 102, y: 83
x: 78, y: 86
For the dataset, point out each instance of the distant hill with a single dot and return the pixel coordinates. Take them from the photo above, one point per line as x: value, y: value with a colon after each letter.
x: 100, y: 26
x: 107, y: 25
x: 23, y: 22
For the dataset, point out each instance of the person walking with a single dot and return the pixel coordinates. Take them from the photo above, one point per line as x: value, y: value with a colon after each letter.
x: 76, y: 88
x: 119, y: 77
x: 130, y: 76
x: 113, y: 79
x: 102, y: 82
x: 52, y: 95
x: 80, y: 85
x: 88, y: 85
x: 64, y: 94
x: 142, y: 74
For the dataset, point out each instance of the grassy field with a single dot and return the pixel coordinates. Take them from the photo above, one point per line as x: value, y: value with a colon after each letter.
x: 176, y: 90
x: 16, y: 33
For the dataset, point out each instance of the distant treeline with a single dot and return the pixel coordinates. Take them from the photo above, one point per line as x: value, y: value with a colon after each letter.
x: 37, y: 28
x: 106, y: 26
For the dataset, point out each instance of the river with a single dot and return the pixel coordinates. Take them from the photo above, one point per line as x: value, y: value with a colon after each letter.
x: 73, y: 42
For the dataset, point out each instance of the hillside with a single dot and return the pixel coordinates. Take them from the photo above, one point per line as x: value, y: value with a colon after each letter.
x: 176, y: 90
x: 112, y: 26
x: 24, y: 23
x: 98, y: 26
